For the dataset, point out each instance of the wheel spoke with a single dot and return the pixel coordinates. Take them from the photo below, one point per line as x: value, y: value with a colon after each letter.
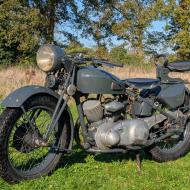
x: 27, y: 157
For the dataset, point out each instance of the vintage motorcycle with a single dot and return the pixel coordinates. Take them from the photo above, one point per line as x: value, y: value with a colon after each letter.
x: 37, y: 128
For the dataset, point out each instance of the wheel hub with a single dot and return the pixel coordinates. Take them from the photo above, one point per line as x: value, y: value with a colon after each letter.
x: 26, y: 140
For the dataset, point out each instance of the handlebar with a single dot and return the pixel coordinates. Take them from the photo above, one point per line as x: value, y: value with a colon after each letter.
x: 79, y: 60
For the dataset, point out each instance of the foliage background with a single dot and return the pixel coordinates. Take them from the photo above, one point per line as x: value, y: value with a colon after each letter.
x: 120, y: 30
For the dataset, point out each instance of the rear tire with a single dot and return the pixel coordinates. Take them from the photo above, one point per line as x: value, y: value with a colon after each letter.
x: 177, y: 151
x: 49, y: 161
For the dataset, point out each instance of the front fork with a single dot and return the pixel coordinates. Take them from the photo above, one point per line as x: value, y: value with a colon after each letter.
x: 60, y: 107
x: 62, y: 103
x: 68, y: 91
x: 57, y: 114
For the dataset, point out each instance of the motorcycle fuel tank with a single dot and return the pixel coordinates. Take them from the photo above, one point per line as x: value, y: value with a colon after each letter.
x: 96, y: 81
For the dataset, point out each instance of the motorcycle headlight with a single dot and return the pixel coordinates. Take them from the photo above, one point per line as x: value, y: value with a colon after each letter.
x: 50, y: 57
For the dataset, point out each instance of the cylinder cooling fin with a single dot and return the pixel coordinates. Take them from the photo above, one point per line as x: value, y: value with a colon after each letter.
x: 93, y: 110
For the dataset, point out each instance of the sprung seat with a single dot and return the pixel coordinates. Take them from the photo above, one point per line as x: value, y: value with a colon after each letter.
x: 179, y: 66
x: 142, y: 83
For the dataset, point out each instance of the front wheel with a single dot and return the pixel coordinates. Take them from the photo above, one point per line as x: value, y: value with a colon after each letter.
x: 172, y: 148
x: 23, y: 152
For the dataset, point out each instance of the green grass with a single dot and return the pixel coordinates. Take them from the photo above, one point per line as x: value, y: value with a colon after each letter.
x: 84, y: 171
x: 111, y: 171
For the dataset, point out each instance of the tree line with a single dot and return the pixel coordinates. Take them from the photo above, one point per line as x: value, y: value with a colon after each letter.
x: 26, y: 24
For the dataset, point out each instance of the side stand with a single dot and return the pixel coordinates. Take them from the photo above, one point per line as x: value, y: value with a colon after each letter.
x: 139, y: 162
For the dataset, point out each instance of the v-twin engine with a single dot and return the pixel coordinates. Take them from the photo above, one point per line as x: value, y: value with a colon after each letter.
x: 126, y: 132
x: 111, y: 133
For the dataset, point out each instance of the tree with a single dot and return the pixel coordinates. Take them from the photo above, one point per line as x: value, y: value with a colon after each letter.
x: 84, y: 15
x: 19, y: 34
x: 25, y: 24
x: 179, y: 29
x: 120, y: 55
x: 50, y: 11
x: 133, y: 19
x: 95, y: 19
x: 156, y: 43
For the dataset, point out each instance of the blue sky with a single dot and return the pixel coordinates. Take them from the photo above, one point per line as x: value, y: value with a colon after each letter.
x: 158, y: 26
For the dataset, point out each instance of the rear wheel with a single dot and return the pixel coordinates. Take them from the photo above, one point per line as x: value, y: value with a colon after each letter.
x: 23, y: 152
x: 173, y: 147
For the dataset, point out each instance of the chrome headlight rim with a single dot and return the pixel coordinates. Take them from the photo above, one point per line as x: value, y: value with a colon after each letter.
x: 49, y: 57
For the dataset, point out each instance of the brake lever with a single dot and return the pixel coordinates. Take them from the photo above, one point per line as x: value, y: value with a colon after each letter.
x: 98, y: 62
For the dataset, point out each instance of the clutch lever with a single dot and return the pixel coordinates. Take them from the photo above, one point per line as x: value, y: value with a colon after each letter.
x: 78, y: 60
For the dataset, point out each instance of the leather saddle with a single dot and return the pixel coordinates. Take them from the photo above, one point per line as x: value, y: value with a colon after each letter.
x: 179, y: 66
x: 142, y: 83
x: 150, y: 83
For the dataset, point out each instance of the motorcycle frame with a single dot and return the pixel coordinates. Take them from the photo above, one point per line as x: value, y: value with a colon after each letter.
x: 17, y: 99
x: 77, y: 95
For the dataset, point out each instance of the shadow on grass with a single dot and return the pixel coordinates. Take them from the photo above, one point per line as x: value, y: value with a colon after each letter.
x: 79, y: 156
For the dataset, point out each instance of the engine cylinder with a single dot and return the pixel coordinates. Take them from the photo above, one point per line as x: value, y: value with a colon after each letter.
x: 93, y: 110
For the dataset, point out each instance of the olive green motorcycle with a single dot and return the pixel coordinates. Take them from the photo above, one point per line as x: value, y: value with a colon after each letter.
x: 37, y: 128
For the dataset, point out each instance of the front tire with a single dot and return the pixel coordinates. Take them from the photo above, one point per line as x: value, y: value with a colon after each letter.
x: 161, y: 154
x: 18, y: 164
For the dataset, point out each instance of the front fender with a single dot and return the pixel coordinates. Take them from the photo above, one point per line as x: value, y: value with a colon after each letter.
x: 19, y: 96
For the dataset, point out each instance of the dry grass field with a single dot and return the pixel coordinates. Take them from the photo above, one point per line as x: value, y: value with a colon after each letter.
x: 12, y: 78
